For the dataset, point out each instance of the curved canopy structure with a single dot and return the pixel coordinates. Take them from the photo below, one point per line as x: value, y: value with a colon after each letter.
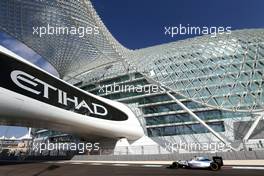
x: 80, y: 43
x: 30, y: 96
x: 224, y: 72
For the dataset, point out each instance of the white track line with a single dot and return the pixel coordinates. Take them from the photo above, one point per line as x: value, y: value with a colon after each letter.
x: 57, y: 162
x: 120, y: 164
x: 77, y: 163
x: 96, y: 164
x: 152, y: 165
x: 245, y: 167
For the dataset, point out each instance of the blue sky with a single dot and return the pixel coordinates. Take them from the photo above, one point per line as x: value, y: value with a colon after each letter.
x: 140, y: 23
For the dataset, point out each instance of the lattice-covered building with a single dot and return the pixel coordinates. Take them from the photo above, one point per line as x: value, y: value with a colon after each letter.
x: 207, y: 88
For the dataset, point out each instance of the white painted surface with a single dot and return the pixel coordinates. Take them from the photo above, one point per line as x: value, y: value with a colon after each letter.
x: 17, y: 109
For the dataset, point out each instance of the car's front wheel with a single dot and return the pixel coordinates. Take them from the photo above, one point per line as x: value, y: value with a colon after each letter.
x: 175, y: 165
x: 214, y: 166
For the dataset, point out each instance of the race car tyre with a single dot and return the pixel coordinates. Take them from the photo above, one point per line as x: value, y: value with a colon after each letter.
x: 175, y: 165
x: 214, y: 166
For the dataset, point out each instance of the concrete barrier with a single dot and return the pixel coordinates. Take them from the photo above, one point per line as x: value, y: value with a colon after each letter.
x: 241, y: 155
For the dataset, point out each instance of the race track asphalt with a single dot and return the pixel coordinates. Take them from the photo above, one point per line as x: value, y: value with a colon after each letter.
x: 99, y: 169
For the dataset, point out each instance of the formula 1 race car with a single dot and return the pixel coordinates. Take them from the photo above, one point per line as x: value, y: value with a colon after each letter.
x: 199, y: 162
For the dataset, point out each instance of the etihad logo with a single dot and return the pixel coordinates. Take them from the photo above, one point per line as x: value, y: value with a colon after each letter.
x: 31, y: 84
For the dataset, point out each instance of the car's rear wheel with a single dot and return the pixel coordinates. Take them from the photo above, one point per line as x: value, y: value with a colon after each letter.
x: 175, y: 165
x: 214, y: 166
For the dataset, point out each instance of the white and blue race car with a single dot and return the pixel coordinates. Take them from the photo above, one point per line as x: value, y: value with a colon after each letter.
x: 199, y: 162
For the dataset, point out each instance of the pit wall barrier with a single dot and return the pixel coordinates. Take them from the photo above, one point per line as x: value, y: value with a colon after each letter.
x: 240, y: 155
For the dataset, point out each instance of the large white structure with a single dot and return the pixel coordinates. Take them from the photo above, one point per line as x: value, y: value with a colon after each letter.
x: 32, y: 97
x: 209, y: 88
